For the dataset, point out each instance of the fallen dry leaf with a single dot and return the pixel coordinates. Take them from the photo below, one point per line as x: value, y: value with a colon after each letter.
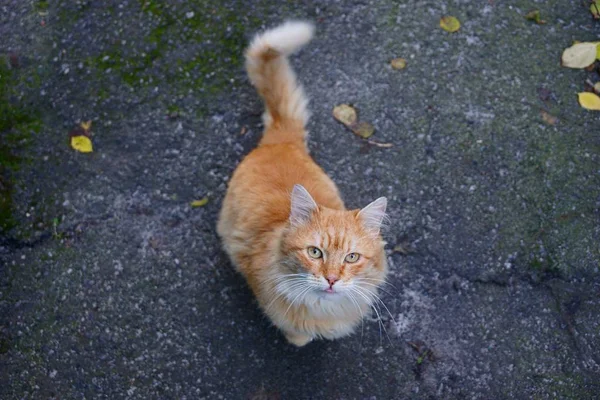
x: 580, y: 55
x: 597, y: 87
x: 244, y: 130
x: 82, y: 144
x: 449, y: 23
x: 363, y: 129
x: 589, y: 101
x: 398, y: 63
x: 86, y: 126
x: 535, y: 16
x: 549, y: 118
x: 345, y: 114
x: 404, y: 248
x: 348, y: 116
x: 199, y: 203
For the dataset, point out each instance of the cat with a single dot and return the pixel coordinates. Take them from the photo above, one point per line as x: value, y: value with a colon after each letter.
x: 313, y: 266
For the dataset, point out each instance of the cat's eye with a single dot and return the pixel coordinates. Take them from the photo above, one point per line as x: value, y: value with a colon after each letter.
x: 352, y: 258
x: 314, y: 252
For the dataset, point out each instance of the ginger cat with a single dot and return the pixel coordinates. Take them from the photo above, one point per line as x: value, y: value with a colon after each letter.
x: 314, y: 266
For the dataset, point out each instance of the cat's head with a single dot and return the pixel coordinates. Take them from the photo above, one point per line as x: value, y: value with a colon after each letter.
x: 332, y: 255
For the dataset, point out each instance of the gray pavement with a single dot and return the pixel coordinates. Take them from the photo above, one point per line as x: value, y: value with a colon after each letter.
x: 112, y: 286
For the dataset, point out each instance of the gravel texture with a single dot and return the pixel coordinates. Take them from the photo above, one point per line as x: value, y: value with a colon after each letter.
x: 113, y: 286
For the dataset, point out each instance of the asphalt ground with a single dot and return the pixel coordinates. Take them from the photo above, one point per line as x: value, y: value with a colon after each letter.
x: 113, y: 286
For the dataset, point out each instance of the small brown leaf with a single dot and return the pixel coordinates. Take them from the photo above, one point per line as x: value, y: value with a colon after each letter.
x: 345, y: 114
x: 363, y: 129
x: 398, y: 63
x: 535, y: 16
x: 404, y: 248
x: 244, y: 130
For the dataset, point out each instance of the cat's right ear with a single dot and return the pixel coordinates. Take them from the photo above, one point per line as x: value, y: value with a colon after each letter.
x: 302, y: 207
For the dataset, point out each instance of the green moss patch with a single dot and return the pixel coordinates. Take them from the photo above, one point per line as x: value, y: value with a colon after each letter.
x: 17, y: 124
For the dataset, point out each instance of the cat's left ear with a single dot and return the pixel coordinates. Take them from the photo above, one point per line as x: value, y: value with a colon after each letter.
x: 373, y: 215
x: 302, y: 205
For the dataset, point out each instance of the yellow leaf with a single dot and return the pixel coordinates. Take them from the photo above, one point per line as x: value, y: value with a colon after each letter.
x: 82, y: 144
x: 86, y: 125
x: 363, y: 129
x: 598, y: 50
x: 199, y: 203
x: 398, y: 63
x: 345, y: 114
x: 580, y: 55
x: 449, y: 24
x: 589, y: 101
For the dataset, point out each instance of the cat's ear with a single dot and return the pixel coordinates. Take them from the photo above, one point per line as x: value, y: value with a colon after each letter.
x: 302, y: 205
x: 372, y: 216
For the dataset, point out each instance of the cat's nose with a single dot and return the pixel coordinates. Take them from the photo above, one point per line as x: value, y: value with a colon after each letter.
x: 332, y: 279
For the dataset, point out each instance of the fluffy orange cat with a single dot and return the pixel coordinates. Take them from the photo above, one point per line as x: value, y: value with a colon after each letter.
x: 314, y: 266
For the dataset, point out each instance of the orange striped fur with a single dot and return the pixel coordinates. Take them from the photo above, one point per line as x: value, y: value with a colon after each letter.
x: 313, y: 266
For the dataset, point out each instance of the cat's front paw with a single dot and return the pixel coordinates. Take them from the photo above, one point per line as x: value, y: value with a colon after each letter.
x: 298, y: 339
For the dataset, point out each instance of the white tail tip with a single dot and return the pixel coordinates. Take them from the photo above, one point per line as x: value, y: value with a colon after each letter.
x: 286, y: 38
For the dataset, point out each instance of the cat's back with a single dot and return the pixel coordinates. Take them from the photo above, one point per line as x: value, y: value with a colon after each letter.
x: 266, y: 177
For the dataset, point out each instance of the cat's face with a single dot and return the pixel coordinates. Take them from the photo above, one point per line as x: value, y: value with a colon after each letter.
x: 332, y: 255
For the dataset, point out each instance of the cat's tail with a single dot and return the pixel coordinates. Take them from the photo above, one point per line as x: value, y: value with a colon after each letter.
x: 270, y: 72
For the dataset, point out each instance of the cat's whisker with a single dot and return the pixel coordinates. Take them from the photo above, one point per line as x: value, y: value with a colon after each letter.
x: 268, y: 307
x: 295, y: 298
x: 379, y: 281
x: 375, y: 297
x: 289, y: 289
x: 284, y: 277
x: 358, y: 281
x: 281, y: 285
x: 351, y: 297
x: 378, y: 299
x: 281, y: 293
x: 289, y: 281
x: 381, y: 323
x: 362, y: 316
